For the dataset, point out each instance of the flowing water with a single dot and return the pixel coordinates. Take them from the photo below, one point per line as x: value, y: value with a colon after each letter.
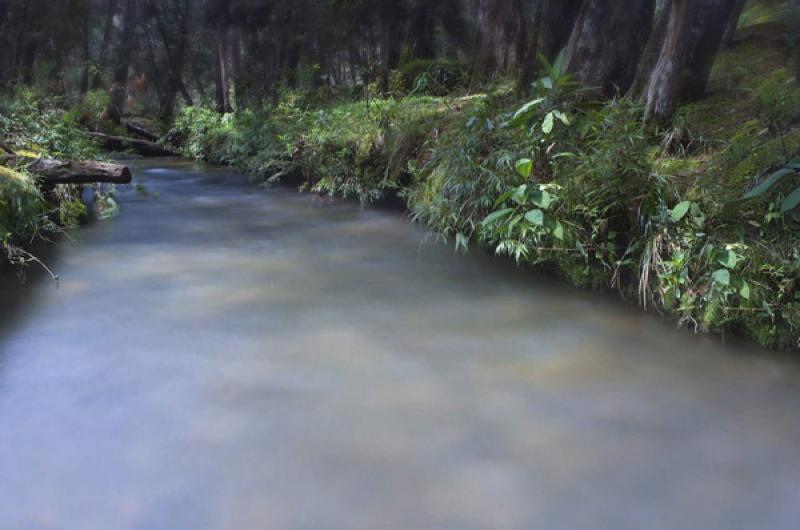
x: 224, y: 357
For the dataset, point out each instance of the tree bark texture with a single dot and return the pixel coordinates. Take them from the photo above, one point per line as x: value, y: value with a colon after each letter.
x: 558, y: 19
x: 691, y: 41
x: 498, y: 30
x: 51, y: 171
x: 607, y: 42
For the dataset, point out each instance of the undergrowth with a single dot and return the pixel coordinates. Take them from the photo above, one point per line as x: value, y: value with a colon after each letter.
x: 34, y: 126
x: 697, y: 221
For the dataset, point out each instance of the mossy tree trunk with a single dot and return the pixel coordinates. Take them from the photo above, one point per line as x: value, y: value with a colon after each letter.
x: 691, y: 42
x: 607, y: 42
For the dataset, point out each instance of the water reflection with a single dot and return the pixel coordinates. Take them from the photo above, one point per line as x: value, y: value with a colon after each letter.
x: 224, y: 357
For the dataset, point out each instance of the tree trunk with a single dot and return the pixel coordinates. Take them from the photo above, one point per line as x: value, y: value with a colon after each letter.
x: 692, y: 40
x: 607, y: 42
x: 85, y: 50
x: 393, y: 16
x: 3, y: 12
x: 108, y: 30
x: 529, y: 46
x: 498, y: 29
x: 558, y: 19
x: 421, y: 35
x: 119, y: 90
x: 175, y: 50
x: 652, y: 52
x: 50, y: 171
x: 222, y: 81
x: 733, y: 24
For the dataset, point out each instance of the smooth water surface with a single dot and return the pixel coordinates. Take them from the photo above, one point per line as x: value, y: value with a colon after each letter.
x: 224, y: 357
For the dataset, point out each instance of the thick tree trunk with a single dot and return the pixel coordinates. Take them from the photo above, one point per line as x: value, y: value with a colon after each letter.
x: 498, y: 30
x: 108, y: 29
x: 607, y: 42
x: 652, y: 51
x: 692, y: 40
x: 733, y: 24
x: 50, y: 171
x: 221, y: 81
x: 558, y: 19
x: 85, y: 50
x: 529, y: 46
x: 119, y: 90
x: 3, y: 12
x: 175, y: 50
x: 393, y: 17
x: 120, y: 143
x: 421, y: 35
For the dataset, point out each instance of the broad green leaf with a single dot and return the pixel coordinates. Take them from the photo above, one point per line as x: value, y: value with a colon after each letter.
x: 519, y: 194
x: 768, y: 183
x: 503, y: 198
x: 728, y: 259
x: 744, y: 290
x: 524, y: 113
x: 680, y: 211
x: 558, y: 231
x: 561, y: 116
x: 547, y: 125
x: 722, y: 277
x: 524, y: 167
x: 535, y: 217
x: 791, y: 202
x: 542, y: 199
x: 494, y: 216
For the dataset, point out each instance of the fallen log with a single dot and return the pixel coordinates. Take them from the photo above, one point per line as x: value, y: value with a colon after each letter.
x: 50, y: 171
x: 121, y: 143
x: 138, y: 130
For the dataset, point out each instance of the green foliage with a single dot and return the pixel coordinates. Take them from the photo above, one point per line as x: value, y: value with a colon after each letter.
x: 37, y: 126
x: 439, y: 77
x: 560, y: 182
x: 36, y: 122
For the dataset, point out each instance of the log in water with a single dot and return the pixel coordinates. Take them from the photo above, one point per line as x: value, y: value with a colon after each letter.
x: 224, y: 357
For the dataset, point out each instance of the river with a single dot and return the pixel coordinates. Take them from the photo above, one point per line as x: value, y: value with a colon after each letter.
x: 224, y: 357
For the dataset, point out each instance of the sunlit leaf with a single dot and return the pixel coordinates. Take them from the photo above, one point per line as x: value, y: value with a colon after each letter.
x: 547, y: 125
x: 525, y: 167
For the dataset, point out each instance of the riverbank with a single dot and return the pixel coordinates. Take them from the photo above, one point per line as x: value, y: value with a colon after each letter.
x: 34, y: 126
x: 679, y: 219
